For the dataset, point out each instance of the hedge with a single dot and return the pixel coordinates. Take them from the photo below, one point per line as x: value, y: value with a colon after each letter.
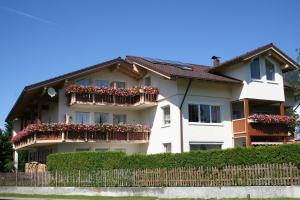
x: 214, y: 158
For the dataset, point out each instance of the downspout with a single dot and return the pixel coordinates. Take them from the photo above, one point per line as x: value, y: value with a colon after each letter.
x: 181, y: 125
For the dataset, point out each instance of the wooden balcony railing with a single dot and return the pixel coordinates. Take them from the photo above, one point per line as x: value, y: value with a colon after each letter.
x: 239, y: 126
x: 109, y: 95
x: 69, y: 137
x: 259, y: 129
x: 98, y: 99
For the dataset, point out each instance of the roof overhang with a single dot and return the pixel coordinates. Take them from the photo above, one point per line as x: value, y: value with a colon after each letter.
x: 270, y: 50
x: 30, y: 92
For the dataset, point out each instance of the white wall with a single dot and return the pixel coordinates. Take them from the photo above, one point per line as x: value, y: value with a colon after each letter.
x: 256, y: 89
x: 153, y: 117
x: 209, y: 93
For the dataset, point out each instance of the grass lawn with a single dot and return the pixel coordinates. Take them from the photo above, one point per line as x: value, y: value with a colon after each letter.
x: 107, y: 198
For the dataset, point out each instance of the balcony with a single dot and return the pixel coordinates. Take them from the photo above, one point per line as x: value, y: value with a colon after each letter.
x: 258, y: 129
x: 45, y: 134
x: 130, y: 97
x: 260, y: 122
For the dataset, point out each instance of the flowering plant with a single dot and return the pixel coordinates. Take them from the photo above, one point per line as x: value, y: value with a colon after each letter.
x: 78, y: 128
x: 125, y: 92
x: 150, y: 90
x: 273, y: 119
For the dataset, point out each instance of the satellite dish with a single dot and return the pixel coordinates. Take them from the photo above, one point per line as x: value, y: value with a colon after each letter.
x: 51, y: 92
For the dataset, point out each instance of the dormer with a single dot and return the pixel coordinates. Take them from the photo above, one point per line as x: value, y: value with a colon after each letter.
x: 261, y: 72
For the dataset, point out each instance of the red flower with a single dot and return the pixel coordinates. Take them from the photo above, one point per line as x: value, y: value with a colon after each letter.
x: 272, y: 119
x: 78, y: 128
x: 124, y: 92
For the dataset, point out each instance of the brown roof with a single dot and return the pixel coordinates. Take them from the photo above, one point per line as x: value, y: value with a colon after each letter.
x: 172, y: 71
x: 29, y: 90
x: 74, y: 73
x: 250, y: 54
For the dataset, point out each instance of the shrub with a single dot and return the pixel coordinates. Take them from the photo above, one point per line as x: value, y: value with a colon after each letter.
x: 215, y: 158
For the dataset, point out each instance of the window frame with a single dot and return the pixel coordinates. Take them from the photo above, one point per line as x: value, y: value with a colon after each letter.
x: 115, y: 114
x: 163, y: 115
x: 82, y: 149
x: 114, y: 84
x: 210, y: 111
x: 101, y: 113
x: 148, y: 78
x: 274, y: 70
x: 167, y: 147
x: 83, y: 79
x: 102, y: 150
x: 101, y: 80
x: 205, y: 143
x: 197, y: 109
x: 254, y: 78
x: 88, y: 117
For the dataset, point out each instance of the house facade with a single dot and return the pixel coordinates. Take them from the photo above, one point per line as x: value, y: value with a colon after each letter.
x: 146, y: 105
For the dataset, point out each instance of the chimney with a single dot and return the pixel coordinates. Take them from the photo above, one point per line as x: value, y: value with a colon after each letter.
x: 216, y: 61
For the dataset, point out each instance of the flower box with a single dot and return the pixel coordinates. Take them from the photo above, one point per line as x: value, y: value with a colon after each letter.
x: 77, y: 131
x: 271, y: 119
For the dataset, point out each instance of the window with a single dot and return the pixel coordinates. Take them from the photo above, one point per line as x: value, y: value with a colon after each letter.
x: 147, y: 81
x: 101, y: 150
x: 82, y: 117
x: 166, y: 115
x: 101, y: 83
x: 208, y: 146
x: 82, y: 82
x: 82, y: 149
x: 255, y: 69
x: 121, y: 150
x: 119, y: 119
x: 270, y: 71
x: 204, y: 113
x: 167, y: 147
x: 100, y: 118
x: 118, y: 84
x: 215, y: 114
x: 193, y: 113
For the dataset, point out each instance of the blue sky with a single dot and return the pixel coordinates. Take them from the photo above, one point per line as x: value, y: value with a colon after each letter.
x: 42, y: 39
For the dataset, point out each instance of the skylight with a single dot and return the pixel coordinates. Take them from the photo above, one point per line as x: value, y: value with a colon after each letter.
x: 181, y: 65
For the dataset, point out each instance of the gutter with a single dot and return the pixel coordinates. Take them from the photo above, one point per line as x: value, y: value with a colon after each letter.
x: 181, y: 123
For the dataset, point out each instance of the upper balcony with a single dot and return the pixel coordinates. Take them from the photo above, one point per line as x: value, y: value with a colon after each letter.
x: 129, y: 98
x: 263, y: 125
x: 43, y: 134
x: 261, y: 122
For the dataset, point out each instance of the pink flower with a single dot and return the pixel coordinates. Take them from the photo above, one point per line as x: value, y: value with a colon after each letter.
x: 77, y: 128
x: 272, y: 119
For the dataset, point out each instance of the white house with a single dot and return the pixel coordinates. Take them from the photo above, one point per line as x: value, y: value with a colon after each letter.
x: 155, y: 106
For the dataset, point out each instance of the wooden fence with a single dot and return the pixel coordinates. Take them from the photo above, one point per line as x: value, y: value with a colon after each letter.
x: 262, y: 175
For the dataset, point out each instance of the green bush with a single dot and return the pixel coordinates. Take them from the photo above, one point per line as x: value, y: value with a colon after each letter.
x: 216, y: 158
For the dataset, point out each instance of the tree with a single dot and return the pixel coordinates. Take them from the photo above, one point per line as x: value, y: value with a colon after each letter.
x: 6, y: 150
x: 293, y: 78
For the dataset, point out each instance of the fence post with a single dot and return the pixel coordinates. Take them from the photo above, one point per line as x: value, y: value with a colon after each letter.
x: 79, y: 178
x: 56, y: 178
x: 16, y: 178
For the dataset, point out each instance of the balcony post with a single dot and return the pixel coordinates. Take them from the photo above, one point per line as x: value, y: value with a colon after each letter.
x: 246, y: 114
x: 142, y: 98
x: 73, y: 98
x: 34, y: 138
x: 281, y: 105
x: 63, y: 136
